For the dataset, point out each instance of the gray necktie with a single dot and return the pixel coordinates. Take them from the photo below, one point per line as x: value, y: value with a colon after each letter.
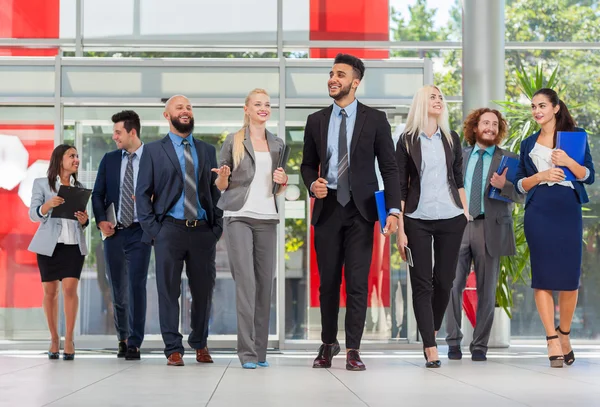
x: 190, y: 209
x: 127, y: 193
x: 343, y: 181
x: 477, y: 187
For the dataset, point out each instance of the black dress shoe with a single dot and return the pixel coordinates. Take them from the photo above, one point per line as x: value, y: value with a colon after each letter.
x: 478, y: 356
x: 353, y: 361
x: 326, y: 354
x: 454, y: 353
x: 133, y: 353
x: 122, y: 351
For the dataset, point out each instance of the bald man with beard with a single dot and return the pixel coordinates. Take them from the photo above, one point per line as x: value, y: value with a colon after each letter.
x: 176, y: 201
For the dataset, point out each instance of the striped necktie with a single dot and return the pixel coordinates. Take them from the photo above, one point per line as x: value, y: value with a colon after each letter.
x: 343, y: 180
x: 127, y: 193
x: 190, y: 207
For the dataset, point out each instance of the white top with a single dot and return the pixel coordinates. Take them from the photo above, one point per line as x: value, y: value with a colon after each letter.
x: 542, y: 159
x: 260, y: 203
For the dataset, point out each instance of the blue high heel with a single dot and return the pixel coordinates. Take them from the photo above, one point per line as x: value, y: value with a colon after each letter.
x: 249, y: 365
x: 264, y: 364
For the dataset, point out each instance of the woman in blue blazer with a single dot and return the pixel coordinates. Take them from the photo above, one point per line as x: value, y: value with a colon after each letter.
x: 553, y: 221
x: 59, y: 244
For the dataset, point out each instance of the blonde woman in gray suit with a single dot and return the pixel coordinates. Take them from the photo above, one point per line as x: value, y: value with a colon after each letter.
x: 248, y: 170
x: 59, y: 244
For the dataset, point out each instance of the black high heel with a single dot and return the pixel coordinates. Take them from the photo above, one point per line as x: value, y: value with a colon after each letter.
x: 569, y: 357
x: 54, y: 355
x: 433, y: 364
x: 69, y: 356
x: 558, y: 360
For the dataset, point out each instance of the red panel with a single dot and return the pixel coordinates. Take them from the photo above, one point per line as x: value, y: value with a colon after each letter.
x: 349, y: 20
x: 29, y: 19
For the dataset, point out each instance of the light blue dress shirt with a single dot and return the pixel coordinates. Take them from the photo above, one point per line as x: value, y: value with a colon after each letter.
x: 487, y: 161
x: 436, y: 200
x: 333, y: 135
x: 137, y: 156
x: 177, y: 209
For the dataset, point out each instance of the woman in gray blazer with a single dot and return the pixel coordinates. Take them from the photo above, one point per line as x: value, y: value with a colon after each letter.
x: 59, y: 244
x: 248, y: 170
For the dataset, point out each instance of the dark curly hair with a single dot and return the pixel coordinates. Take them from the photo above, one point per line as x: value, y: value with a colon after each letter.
x: 472, y: 121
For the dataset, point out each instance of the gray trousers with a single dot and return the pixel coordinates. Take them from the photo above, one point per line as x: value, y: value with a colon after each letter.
x: 472, y: 249
x: 251, y: 246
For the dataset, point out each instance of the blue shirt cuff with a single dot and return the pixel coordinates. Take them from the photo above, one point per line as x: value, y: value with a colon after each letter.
x: 587, y: 175
x: 394, y: 210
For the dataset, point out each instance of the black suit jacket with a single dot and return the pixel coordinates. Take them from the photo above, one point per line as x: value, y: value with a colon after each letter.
x: 160, y: 184
x: 107, y: 188
x: 371, y: 139
x: 409, y: 166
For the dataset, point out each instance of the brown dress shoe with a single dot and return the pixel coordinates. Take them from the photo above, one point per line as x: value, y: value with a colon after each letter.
x: 202, y: 356
x: 326, y: 353
x: 175, y: 359
x: 353, y: 361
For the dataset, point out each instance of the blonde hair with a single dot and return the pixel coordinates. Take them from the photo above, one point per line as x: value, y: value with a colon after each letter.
x: 238, y: 138
x: 418, y: 117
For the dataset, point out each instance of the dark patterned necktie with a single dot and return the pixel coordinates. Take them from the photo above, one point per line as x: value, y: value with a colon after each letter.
x: 190, y: 209
x: 127, y: 193
x: 477, y: 187
x: 343, y: 181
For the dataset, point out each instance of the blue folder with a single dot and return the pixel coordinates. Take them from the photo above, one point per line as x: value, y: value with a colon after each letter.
x: 381, y: 210
x: 512, y: 164
x: 573, y: 143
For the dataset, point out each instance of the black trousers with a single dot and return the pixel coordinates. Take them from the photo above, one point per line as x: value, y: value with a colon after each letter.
x: 343, y: 238
x: 432, y: 275
x: 175, y: 245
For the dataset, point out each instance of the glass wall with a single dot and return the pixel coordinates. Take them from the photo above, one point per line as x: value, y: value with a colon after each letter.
x: 123, y: 59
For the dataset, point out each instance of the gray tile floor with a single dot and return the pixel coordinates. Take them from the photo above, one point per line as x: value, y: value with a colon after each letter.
x: 518, y: 376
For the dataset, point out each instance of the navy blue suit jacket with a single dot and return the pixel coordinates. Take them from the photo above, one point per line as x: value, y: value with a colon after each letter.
x: 527, y: 168
x: 160, y: 184
x: 107, y: 187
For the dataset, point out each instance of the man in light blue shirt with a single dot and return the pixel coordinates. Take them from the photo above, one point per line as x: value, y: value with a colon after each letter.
x: 126, y: 257
x: 489, y: 234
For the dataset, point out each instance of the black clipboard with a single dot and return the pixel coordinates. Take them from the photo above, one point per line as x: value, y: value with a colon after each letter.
x: 76, y: 200
x: 283, y: 159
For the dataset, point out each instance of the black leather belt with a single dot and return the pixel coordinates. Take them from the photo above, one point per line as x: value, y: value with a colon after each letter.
x: 482, y: 216
x: 186, y: 223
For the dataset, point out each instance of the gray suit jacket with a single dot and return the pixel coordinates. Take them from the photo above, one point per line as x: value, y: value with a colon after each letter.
x: 498, y: 226
x: 46, y: 237
x: 234, y: 197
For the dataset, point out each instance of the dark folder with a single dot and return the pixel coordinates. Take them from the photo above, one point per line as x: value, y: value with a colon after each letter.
x: 283, y: 159
x: 512, y: 164
x: 573, y: 143
x: 76, y: 200
x: 381, y: 210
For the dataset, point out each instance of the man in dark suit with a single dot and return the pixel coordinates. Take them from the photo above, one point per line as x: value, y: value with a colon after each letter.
x: 489, y: 234
x: 341, y: 143
x: 177, y: 206
x: 127, y: 258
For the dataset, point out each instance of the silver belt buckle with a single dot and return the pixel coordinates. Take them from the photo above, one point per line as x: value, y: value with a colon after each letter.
x: 191, y: 223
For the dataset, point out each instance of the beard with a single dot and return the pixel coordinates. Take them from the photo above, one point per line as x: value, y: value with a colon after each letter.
x: 343, y: 92
x: 486, y: 142
x: 183, y: 128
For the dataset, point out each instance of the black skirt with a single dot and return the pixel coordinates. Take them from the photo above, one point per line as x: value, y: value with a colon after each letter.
x: 65, y: 262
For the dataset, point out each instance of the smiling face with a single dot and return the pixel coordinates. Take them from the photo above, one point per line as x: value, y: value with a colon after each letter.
x: 70, y: 162
x: 122, y: 138
x: 542, y: 110
x: 342, y: 82
x: 435, y: 106
x: 487, y: 129
x: 180, y: 116
x: 258, y: 108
